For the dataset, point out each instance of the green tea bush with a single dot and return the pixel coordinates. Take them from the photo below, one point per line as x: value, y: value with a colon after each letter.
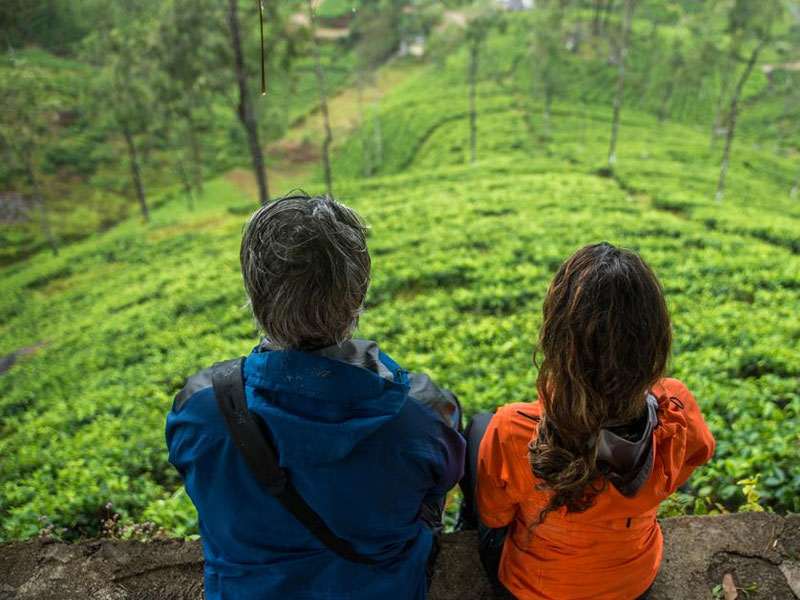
x: 462, y: 258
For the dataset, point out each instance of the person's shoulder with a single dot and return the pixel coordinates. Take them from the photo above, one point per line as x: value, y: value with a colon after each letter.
x: 517, y: 421
x: 667, y: 387
x: 680, y: 419
x: 503, y: 454
x: 675, y: 401
x: 195, y: 406
x: 682, y: 439
x: 193, y: 386
x: 201, y: 385
x: 520, y: 413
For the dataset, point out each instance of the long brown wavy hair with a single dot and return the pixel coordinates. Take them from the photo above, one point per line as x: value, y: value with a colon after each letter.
x: 604, y: 342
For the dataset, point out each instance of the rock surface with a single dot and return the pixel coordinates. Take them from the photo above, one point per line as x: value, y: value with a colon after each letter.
x: 760, y: 551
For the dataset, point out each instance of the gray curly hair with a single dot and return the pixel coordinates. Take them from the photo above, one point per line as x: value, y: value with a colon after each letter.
x: 306, y: 270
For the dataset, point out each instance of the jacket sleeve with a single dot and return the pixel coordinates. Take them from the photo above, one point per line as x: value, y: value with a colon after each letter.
x: 448, y: 462
x: 450, y: 447
x: 193, y: 427
x: 683, y: 439
x: 495, y: 497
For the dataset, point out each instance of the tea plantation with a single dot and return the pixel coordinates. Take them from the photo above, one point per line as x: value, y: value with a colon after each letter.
x: 461, y: 261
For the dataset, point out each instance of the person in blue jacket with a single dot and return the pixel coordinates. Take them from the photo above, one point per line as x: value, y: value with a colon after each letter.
x: 371, y: 448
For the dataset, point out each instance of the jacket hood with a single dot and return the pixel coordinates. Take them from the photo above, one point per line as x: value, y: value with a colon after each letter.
x: 319, y: 405
x: 627, y: 452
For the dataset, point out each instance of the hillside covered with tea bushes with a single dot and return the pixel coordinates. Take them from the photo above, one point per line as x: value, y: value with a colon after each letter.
x: 462, y: 257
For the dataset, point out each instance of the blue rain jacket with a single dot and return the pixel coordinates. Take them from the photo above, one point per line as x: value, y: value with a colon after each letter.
x: 358, y: 448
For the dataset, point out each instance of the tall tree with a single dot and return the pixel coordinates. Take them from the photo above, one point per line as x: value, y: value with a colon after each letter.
x: 478, y: 27
x: 598, y: 9
x: 474, y: 53
x: 607, y: 13
x: 792, y: 111
x: 732, y: 115
x: 245, y: 106
x: 753, y: 24
x: 190, y: 49
x: 366, y: 151
x: 794, y: 104
x: 548, y: 58
x: 373, y: 30
x: 376, y: 119
x: 20, y: 132
x: 728, y: 60
x: 630, y: 6
x: 724, y: 88
x: 675, y: 78
x: 122, y: 92
x: 323, y: 99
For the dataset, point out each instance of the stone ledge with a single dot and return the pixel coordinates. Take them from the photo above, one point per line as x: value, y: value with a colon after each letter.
x: 753, y: 547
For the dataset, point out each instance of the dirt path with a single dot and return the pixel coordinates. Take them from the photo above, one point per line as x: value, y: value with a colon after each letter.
x: 791, y: 66
x: 293, y: 159
x: 344, y: 109
x: 454, y: 17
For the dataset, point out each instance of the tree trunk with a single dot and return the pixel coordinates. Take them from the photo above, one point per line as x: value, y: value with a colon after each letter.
x: 598, y: 5
x: 137, y: 178
x: 48, y: 231
x: 732, y: 114
x: 718, y: 107
x: 607, y: 13
x: 663, y: 113
x: 186, y: 181
x: 376, y: 115
x: 195, y: 157
x: 548, y: 101
x: 623, y: 57
x: 796, y: 186
x: 364, y: 141
x: 245, y: 108
x: 323, y: 100
x: 473, y: 130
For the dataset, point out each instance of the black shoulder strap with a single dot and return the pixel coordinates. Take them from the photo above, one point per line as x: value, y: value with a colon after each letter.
x: 262, y: 459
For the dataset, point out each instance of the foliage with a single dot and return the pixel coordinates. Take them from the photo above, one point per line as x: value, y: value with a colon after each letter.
x: 84, y: 167
x: 461, y: 262
x: 462, y: 258
x: 751, y: 494
x: 85, y: 174
x: 59, y: 25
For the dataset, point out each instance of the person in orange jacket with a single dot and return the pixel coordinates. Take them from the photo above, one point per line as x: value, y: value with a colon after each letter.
x: 564, y: 491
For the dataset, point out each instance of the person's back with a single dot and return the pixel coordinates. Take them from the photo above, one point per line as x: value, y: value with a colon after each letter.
x: 611, y: 551
x: 568, y: 487
x: 365, y: 454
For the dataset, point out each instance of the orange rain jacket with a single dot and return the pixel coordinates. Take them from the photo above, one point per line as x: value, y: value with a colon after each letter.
x: 611, y: 551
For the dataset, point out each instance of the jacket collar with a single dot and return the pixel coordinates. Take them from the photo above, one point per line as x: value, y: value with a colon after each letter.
x: 359, y: 353
x: 347, y: 374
